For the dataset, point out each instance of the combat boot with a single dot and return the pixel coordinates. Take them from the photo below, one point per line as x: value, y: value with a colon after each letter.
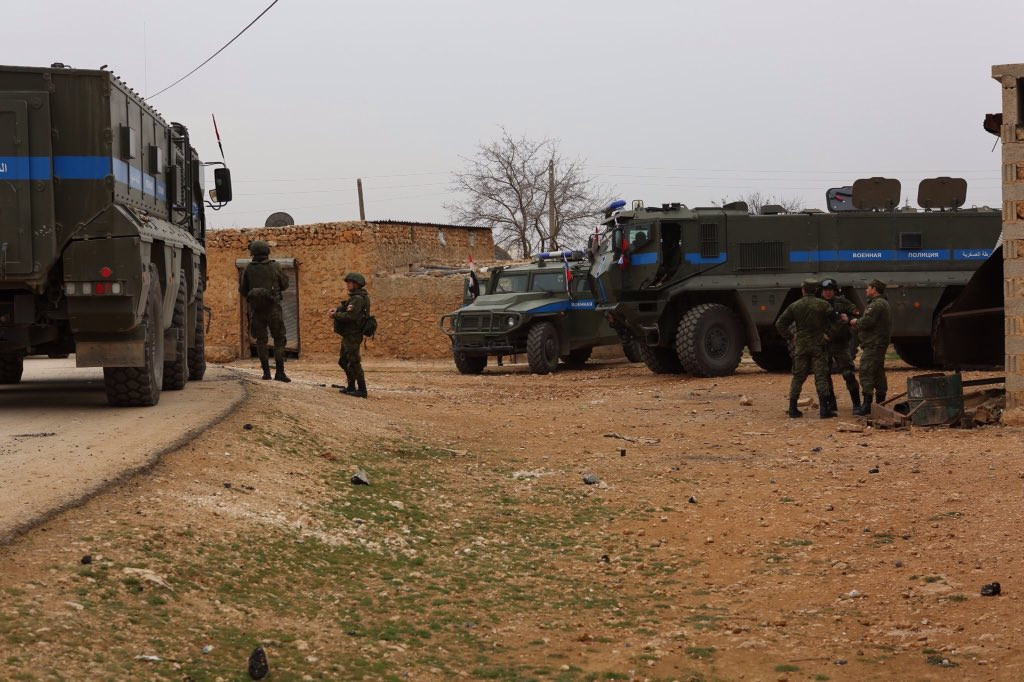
x: 359, y: 392
x: 865, y: 407
x: 879, y: 398
x: 855, y: 398
x: 348, y: 390
x: 279, y: 374
x: 793, y: 413
x: 832, y: 404
x: 825, y: 407
x: 265, y: 364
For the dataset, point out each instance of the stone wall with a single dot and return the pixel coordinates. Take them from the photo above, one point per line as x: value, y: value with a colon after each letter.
x: 1011, y: 77
x: 407, y: 307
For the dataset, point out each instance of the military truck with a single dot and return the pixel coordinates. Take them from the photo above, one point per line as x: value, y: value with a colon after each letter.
x: 102, y: 228
x: 543, y: 309
x: 696, y: 286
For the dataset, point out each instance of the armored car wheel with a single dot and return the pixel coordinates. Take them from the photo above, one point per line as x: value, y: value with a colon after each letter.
x: 542, y: 348
x: 469, y: 364
x: 140, y: 386
x: 176, y: 370
x: 632, y: 351
x: 709, y: 340
x: 773, y: 358
x: 577, y: 358
x: 916, y: 352
x: 197, y: 349
x: 660, y: 360
x: 11, y: 367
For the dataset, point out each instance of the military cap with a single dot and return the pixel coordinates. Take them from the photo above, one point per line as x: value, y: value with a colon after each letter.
x: 810, y: 283
x: 829, y: 283
x: 878, y: 284
x: 356, y: 277
x: 259, y: 247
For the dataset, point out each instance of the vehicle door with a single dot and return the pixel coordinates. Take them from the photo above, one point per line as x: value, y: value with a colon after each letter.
x: 640, y: 254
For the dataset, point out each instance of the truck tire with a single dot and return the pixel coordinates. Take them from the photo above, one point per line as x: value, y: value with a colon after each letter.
x: 11, y: 367
x: 660, y: 360
x: 140, y: 386
x: 774, y: 358
x: 632, y: 351
x: 709, y: 340
x: 197, y: 349
x: 916, y: 352
x: 577, y: 358
x: 176, y: 370
x: 542, y: 348
x: 469, y: 364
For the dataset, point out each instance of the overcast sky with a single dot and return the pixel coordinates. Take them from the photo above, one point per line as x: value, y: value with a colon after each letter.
x: 665, y: 100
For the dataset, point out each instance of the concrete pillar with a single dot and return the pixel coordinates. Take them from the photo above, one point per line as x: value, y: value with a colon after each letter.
x: 1011, y: 77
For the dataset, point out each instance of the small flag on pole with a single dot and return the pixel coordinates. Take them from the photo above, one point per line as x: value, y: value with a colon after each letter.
x: 217, y: 133
x: 568, y: 275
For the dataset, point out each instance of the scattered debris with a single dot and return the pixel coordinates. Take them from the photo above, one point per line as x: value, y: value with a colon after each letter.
x: 75, y: 605
x: 148, y: 657
x: 42, y: 434
x: 991, y: 590
x: 208, y: 648
x: 227, y: 485
x: 816, y: 448
x: 806, y: 402
x: 643, y: 440
x: 147, y: 575
x: 86, y: 560
x: 692, y: 500
x: 360, y: 478
x: 873, y: 470
x: 746, y: 401
x: 605, y: 559
x: 259, y: 667
x: 591, y: 479
x: 524, y: 475
x: 622, y: 452
x: 247, y: 427
x: 457, y: 453
x: 845, y: 427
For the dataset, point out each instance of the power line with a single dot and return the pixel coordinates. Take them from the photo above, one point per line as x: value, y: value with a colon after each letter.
x: 210, y: 58
x: 393, y: 175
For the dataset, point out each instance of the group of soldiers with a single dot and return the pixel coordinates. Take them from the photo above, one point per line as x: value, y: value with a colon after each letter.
x: 821, y: 329
x: 261, y: 285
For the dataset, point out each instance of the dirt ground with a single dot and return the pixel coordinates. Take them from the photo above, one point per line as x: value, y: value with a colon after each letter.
x: 727, y: 543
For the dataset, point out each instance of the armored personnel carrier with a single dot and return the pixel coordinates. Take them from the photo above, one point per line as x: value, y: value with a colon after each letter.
x: 695, y: 286
x: 543, y: 309
x: 102, y: 227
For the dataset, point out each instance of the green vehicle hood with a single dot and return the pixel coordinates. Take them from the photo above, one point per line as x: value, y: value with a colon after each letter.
x: 511, y: 302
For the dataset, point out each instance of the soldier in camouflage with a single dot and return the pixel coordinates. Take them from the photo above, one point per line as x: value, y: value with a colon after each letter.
x: 839, y: 336
x: 261, y: 285
x: 874, y: 331
x: 349, y: 321
x: 811, y: 315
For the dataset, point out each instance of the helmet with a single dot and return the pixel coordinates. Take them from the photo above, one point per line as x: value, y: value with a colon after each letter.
x: 829, y: 283
x: 259, y: 247
x: 356, y: 277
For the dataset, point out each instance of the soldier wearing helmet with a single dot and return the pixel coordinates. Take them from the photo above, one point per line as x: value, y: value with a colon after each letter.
x: 839, y: 337
x: 874, y: 331
x: 810, y: 315
x: 261, y: 284
x: 350, y: 321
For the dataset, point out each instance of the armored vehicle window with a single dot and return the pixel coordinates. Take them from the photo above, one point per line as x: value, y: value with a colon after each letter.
x: 511, y: 284
x: 910, y: 240
x: 549, y: 281
x: 638, y: 235
x: 580, y: 284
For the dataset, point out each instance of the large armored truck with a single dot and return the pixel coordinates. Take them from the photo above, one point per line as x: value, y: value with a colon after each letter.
x: 694, y: 286
x: 543, y: 309
x: 102, y: 228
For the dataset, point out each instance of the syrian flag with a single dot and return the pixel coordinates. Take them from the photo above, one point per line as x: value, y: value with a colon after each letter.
x: 568, y: 275
x: 474, y: 283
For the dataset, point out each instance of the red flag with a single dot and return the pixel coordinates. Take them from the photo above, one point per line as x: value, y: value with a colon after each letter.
x: 568, y: 276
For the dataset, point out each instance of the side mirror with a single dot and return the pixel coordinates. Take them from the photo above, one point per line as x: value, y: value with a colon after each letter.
x: 222, y: 185
x: 617, y: 241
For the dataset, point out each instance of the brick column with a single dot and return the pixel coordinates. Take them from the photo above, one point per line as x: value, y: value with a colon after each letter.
x: 1011, y: 77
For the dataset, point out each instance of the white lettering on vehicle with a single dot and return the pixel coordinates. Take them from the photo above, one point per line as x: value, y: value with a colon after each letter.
x: 923, y: 254
x: 867, y: 254
x: 3, y: 167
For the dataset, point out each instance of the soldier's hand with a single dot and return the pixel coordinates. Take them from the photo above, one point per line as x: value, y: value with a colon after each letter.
x: 853, y: 322
x: 844, y: 317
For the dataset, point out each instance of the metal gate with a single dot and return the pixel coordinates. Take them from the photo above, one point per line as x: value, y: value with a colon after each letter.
x: 289, y: 306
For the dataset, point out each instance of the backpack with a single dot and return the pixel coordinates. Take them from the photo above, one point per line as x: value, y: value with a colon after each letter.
x: 370, y: 326
x: 261, y: 299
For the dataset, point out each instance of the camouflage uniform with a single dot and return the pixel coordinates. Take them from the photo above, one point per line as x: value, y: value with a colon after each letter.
x: 838, y: 346
x: 349, y: 319
x: 874, y: 330
x: 811, y: 316
x: 261, y: 285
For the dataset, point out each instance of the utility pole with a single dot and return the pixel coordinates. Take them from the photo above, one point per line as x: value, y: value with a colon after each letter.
x: 362, y: 209
x: 552, y: 228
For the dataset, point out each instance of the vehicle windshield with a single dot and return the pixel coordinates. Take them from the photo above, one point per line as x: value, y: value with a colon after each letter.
x: 549, y: 281
x: 512, y: 283
x: 638, y: 235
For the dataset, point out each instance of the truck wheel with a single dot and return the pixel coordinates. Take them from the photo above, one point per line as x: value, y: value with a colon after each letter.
x: 197, y: 349
x: 916, y: 352
x: 709, y: 340
x: 469, y: 364
x: 773, y: 358
x: 577, y: 358
x: 542, y: 348
x: 660, y: 360
x: 632, y: 351
x: 11, y: 367
x: 140, y: 386
x: 176, y: 370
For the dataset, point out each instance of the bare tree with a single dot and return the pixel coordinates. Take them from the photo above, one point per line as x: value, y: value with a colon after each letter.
x: 756, y: 201
x: 505, y: 187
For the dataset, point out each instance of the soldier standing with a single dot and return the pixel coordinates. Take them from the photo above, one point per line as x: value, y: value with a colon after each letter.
x: 262, y: 283
x: 839, y: 342
x: 811, y: 316
x: 874, y: 330
x: 349, y: 321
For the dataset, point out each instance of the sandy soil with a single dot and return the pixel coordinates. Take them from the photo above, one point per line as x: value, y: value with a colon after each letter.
x: 728, y: 542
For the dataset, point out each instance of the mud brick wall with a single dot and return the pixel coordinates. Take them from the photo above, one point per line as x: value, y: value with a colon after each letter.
x: 407, y: 307
x: 1011, y: 78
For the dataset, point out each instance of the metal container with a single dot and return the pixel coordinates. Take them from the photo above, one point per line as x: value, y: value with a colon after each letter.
x: 935, y: 399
